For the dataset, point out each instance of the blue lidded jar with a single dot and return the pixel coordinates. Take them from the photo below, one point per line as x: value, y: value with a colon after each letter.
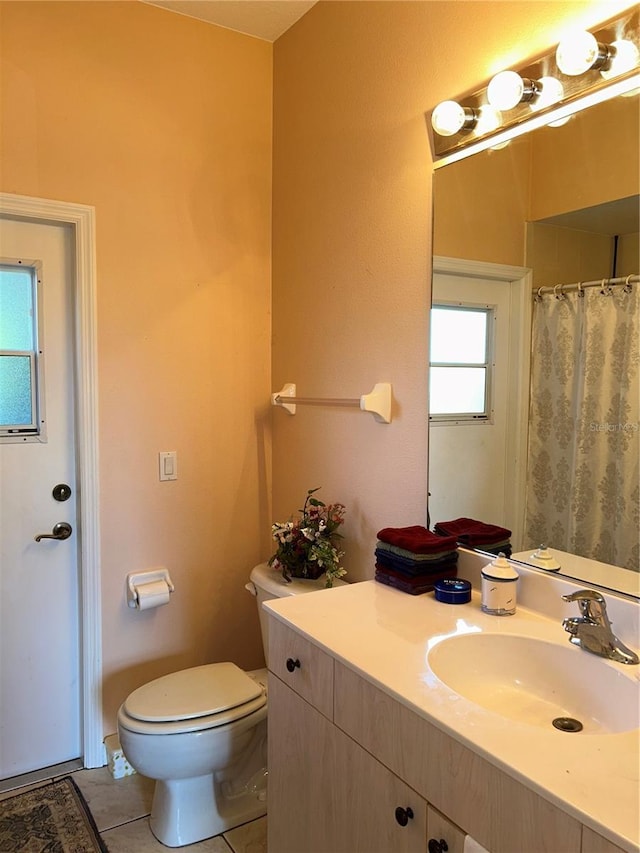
x: 453, y: 591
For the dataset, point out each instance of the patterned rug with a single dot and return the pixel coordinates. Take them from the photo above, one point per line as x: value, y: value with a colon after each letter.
x: 53, y: 818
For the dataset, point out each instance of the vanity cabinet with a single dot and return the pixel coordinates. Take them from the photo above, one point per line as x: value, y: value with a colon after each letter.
x: 326, y: 793
x: 353, y: 770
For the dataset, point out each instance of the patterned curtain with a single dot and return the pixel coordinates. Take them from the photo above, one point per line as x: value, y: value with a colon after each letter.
x: 584, y: 433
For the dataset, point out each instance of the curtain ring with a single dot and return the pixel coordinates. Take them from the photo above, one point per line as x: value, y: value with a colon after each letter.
x: 537, y: 296
x: 555, y: 292
x: 627, y: 284
x: 604, y: 290
x: 580, y: 290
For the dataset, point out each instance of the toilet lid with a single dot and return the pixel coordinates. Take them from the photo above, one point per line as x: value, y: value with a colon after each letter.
x: 197, y: 692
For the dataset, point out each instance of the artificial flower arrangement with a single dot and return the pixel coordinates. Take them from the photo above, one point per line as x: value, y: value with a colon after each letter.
x: 308, y: 545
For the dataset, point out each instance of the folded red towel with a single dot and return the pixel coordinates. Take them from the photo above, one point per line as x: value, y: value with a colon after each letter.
x: 417, y: 539
x: 472, y: 531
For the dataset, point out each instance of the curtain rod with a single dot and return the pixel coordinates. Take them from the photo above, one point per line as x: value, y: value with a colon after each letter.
x: 559, y: 289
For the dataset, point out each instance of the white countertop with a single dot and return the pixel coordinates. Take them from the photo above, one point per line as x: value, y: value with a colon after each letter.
x: 385, y: 635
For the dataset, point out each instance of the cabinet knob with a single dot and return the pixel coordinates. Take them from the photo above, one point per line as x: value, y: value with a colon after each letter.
x: 403, y: 816
x: 292, y: 664
x: 435, y: 846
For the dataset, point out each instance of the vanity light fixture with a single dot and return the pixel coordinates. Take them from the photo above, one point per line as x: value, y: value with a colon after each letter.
x: 583, y: 70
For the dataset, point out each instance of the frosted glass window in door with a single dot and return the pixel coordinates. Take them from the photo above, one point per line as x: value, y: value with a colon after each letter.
x: 20, y: 362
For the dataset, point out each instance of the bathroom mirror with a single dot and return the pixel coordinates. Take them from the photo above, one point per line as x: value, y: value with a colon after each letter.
x: 556, y: 206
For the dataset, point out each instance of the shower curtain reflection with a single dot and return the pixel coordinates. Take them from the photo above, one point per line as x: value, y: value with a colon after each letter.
x: 583, y: 477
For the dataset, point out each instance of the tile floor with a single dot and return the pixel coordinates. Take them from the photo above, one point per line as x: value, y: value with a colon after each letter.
x: 121, y: 809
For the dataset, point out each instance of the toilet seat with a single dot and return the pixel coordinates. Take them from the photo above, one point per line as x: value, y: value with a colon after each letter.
x: 194, y: 699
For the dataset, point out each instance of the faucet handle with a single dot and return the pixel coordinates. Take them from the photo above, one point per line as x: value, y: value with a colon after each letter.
x: 592, y: 605
x: 584, y: 595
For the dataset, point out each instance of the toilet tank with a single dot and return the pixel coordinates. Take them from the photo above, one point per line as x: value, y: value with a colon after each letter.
x: 267, y: 583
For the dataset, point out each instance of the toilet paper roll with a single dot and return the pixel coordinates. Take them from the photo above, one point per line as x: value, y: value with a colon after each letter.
x: 150, y: 595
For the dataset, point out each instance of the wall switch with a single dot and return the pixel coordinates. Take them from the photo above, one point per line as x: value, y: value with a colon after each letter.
x: 168, y: 465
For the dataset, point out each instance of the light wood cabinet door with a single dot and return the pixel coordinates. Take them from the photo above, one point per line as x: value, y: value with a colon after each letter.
x: 327, y: 795
x: 381, y: 813
x: 302, y: 666
x: 303, y: 801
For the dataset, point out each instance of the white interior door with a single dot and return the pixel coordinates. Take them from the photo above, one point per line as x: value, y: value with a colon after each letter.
x: 468, y: 461
x: 40, y: 686
x: 476, y: 470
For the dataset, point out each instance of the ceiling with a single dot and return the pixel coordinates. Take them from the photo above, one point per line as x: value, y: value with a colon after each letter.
x: 264, y: 19
x: 621, y: 216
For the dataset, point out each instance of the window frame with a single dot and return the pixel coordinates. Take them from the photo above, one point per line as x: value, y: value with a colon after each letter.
x: 469, y: 418
x: 36, y: 431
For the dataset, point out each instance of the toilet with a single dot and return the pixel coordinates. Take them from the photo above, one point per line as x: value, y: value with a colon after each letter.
x: 201, y: 733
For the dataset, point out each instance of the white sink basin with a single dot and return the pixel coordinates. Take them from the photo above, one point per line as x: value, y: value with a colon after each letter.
x: 535, y: 681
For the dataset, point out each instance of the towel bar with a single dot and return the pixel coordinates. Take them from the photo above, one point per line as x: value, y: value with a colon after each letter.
x: 378, y: 401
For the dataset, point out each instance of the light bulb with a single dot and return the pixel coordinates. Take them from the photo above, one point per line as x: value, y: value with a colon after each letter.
x: 507, y: 89
x: 579, y: 52
x: 489, y: 119
x: 551, y: 91
x: 625, y: 58
x: 449, y: 117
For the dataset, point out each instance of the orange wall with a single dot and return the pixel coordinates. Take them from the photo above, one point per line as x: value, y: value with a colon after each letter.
x: 352, y: 222
x: 164, y: 124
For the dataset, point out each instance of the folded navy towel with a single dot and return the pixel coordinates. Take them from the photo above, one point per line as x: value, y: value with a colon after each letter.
x: 417, y: 539
x: 411, y: 567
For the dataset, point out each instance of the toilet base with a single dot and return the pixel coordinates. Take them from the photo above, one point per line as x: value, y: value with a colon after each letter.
x: 188, y: 810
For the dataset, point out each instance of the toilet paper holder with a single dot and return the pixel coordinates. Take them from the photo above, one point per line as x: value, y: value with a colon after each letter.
x: 136, y: 579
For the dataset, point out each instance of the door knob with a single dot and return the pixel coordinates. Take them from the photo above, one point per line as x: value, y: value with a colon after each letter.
x: 61, y: 530
x: 61, y: 492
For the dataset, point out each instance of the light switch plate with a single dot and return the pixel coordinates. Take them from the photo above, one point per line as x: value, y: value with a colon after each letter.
x: 168, y: 461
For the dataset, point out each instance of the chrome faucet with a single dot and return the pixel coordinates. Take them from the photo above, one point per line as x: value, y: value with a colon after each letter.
x: 592, y: 630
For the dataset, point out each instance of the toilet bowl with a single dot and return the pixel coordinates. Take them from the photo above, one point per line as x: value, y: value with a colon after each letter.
x: 201, y: 734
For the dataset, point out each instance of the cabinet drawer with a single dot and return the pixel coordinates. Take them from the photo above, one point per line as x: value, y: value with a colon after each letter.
x: 302, y: 666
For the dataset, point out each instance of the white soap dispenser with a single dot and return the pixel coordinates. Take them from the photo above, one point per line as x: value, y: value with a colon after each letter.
x: 544, y: 559
x: 499, y: 587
